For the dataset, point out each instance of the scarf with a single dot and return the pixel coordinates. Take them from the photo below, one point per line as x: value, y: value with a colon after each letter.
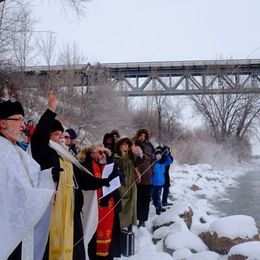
x: 66, y: 155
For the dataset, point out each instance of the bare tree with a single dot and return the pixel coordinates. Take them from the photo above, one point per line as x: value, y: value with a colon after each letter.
x: 160, y: 105
x: 22, y: 42
x: 228, y: 114
x: 71, y: 55
x: 47, y: 48
x: 79, y: 6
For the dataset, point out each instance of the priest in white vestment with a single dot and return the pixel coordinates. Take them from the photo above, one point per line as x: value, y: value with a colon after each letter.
x: 25, y: 191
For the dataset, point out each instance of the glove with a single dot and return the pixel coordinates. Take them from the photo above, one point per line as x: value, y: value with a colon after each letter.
x: 169, y: 149
x: 55, y: 171
x: 105, y: 182
x: 138, y: 151
x: 103, y: 202
x: 113, y: 175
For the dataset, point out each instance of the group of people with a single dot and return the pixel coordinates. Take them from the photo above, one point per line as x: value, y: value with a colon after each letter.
x: 51, y: 194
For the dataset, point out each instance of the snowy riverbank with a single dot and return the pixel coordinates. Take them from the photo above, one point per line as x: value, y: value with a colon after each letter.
x: 192, y: 186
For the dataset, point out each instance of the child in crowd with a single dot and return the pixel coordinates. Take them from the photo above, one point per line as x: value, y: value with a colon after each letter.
x: 158, y: 179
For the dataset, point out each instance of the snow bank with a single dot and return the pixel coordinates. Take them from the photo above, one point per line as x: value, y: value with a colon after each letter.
x: 185, y: 239
x: 248, y: 249
x: 162, y: 232
x: 173, y: 233
x: 181, y: 254
x: 234, y: 226
x: 206, y: 255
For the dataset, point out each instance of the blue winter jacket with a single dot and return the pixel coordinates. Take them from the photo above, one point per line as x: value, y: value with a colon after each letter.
x: 159, y: 169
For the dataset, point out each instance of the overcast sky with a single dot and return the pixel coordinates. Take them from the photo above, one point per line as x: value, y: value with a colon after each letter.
x: 157, y: 30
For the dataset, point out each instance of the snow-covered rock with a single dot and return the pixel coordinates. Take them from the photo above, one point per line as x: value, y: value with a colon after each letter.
x: 150, y: 256
x: 181, y: 254
x: 164, y: 231
x: 229, y: 231
x: 234, y: 226
x: 205, y: 255
x: 247, y: 250
x: 178, y: 210
x: 181, y: 240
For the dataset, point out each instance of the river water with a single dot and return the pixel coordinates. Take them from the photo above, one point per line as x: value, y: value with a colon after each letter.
x: 244, y: 199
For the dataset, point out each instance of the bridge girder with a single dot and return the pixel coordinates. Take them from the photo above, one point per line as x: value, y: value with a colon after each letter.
x: 164, y: 78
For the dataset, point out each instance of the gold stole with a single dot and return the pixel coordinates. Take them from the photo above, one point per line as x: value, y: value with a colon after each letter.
x: 62, y: 224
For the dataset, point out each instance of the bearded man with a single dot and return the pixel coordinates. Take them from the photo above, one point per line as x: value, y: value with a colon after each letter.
x: 105, y: 243
x: 25, y: 191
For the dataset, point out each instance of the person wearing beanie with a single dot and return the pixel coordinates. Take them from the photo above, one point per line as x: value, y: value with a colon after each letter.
x: 73, y: 141
x: 66, y: 230
x: 158, y: 180
x: 23, y: 196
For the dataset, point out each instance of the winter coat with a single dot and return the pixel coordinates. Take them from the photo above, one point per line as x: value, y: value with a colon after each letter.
x: 158, y: 178
x: 145, y: 168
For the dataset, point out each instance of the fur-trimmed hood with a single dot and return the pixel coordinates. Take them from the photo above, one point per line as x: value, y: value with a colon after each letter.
x: 121, y: 141
x: 143, y: 131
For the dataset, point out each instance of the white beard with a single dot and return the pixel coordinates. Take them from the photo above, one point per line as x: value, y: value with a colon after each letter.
x: 14, y: 136
x: 102, y: 161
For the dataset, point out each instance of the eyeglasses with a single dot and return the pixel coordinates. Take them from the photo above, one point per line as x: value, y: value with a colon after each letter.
x: 100, y: 152
x: 66, y: 137
x: 20, y: 119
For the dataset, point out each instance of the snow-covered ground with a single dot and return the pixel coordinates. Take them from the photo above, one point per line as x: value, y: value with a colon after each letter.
x: 192, y: 186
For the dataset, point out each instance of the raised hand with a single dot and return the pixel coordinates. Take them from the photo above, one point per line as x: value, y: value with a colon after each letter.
x: 137, y: 151
x: 52, y: 100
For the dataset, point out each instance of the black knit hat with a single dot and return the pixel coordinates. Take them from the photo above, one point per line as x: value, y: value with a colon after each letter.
x: 72, y: 133
x: 8, y: 108
x: 158, y: 150
x: 57, y: 126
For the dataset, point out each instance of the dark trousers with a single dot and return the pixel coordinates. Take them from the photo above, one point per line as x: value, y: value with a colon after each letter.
x: 156, y: 192
x: 165, y: 194
x: 143, y: 201
x: 166, y: 186
x: 79, y: 249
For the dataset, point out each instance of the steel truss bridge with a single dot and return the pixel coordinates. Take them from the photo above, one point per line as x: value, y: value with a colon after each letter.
x: 164, y: 78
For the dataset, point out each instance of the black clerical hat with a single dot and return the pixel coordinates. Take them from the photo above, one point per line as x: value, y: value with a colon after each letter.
x: 9, y: 108
x: 57, y: 126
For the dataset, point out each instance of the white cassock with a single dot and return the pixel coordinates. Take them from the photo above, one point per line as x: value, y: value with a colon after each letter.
x: 25, y: 194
